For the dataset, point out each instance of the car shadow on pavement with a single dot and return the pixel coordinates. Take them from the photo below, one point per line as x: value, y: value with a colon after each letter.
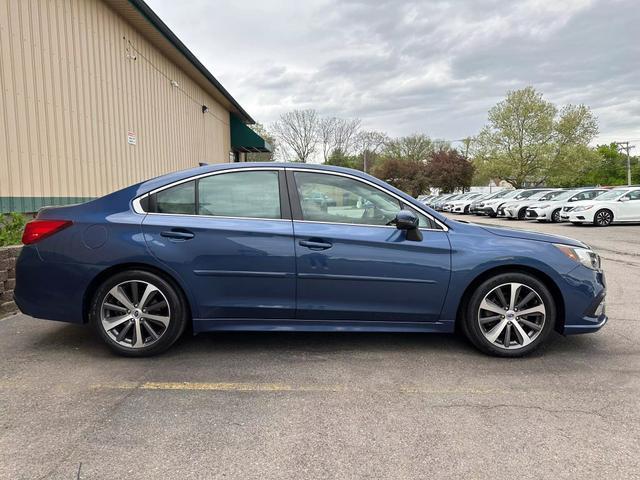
x: 83, y: 340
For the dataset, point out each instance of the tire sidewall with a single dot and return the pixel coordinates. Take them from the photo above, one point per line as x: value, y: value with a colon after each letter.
x: 176, y: 304
x: 555, y: 216
x: 472, y: 327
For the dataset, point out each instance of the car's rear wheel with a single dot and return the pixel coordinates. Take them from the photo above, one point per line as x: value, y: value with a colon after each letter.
x: 510, y: 315
x: 603, y: 218
x: 555, y: 216
x: 138, y: 313
x: 522, y: 213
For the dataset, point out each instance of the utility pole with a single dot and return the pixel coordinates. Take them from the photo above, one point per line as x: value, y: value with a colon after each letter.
x: 627, y: 148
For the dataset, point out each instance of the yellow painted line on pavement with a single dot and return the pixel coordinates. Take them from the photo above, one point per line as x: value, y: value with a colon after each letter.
x: 280, y: 387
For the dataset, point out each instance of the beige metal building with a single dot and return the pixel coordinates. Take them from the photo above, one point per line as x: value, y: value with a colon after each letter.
x: 99, y: 94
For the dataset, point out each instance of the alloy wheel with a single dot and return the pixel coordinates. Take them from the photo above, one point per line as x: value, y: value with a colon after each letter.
x: 511, y: 316
x: 135, y: 314
x: 603, y: 218
x: 555, y: 216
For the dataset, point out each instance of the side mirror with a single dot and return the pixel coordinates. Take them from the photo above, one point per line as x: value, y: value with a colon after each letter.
x: 623, y: 199
x: 409, y: 221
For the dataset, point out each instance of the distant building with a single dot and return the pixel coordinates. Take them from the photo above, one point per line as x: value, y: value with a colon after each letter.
x: 99, y: 94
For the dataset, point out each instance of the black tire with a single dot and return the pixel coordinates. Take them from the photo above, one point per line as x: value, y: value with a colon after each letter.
x: 177, y: 313
x: 472, y: 327
x: 555, y: 216
x: 522, y: 214
x: 466, y: 210
x: 603, y: 218
x: 492, y: 214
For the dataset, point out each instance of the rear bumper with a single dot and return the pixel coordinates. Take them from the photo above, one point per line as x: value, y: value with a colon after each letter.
x: 51, y: 290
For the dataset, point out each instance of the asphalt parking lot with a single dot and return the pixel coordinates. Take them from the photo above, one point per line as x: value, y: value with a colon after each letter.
x: 330, y: 405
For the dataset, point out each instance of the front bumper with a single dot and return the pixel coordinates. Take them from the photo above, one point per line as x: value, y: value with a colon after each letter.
x: 581, y: 217
x: 510, y: 213
x: 584, y: 306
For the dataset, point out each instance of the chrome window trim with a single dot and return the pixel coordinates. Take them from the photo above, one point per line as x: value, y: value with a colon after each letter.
x: 137, y: 208
x: 353, y: 177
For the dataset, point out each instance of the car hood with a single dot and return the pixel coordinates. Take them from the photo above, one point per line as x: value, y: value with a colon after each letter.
x: 529, y: 235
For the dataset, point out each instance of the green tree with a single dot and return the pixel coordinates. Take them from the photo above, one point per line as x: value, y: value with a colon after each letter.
x: 408, y: 175
x: 340, y: 159
x: 528, y: 140
x: 448, y: 170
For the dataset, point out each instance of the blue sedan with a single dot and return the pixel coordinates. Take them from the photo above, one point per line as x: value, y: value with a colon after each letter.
x: 249, y: 247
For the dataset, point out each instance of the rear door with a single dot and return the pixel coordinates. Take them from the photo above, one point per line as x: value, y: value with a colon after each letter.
x: 352, y: 263
x: 229, y: 237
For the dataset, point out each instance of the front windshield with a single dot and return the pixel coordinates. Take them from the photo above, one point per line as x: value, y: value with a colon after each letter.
x: 526, y: 194
x: 539, y: 195
x: 612, y: 195
x: 552, y: 195
x: 512, y: 194
x: 563, y: 195
x: 500, y: 194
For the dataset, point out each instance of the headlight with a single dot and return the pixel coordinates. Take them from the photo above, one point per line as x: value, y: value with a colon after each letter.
x: 582, y: 209
x: 585, y: 256
x: 546, y: 205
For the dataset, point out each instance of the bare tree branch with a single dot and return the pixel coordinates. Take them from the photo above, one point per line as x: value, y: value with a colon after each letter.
x: 298, y: 130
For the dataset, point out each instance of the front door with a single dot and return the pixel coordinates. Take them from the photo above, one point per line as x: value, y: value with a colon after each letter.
x: 229, y: 237
x: 352, y: 263
x: 629, y: 209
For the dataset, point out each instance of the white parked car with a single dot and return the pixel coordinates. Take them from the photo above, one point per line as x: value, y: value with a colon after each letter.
x: 617, y: 205
x: 462, y: 204
x: 516, y: 208
x: 551, y: 210
x: 492, y: 206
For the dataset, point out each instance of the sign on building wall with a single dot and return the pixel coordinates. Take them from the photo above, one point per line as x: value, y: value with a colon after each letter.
x: 132, y: 139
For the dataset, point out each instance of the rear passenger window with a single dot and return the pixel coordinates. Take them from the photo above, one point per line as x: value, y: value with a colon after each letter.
x: 253, y: 194
x: 178, y: 200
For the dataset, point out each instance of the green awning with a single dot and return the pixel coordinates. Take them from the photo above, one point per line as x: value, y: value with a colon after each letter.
x: 243, y: 139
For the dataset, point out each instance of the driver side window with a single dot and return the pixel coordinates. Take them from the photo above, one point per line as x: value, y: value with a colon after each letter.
x: 634, y: 195
x: 335, y: 199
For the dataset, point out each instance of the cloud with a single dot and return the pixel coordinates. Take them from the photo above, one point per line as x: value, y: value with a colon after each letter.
x: 402, y: 67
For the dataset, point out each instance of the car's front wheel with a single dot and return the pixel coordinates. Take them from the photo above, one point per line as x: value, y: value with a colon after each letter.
x: 603, y: 218
x: 138, y: 313
x: 510, y: 315
x: 555, y: 216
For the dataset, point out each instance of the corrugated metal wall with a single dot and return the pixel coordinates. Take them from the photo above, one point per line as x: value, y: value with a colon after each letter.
x: 75, y: 78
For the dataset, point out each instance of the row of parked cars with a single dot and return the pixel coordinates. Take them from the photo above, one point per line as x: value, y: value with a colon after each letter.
x: 600, y: 206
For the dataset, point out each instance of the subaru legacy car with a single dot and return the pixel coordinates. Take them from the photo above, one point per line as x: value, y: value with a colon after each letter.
x: 248, y: 247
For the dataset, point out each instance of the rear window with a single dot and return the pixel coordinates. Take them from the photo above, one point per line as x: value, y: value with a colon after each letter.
x: 249, y: 194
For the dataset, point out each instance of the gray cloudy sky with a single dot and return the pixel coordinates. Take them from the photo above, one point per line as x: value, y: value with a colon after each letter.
x: 424, y: 66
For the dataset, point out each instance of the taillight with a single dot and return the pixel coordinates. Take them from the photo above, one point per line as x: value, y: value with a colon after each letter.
x: 36, y: 230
